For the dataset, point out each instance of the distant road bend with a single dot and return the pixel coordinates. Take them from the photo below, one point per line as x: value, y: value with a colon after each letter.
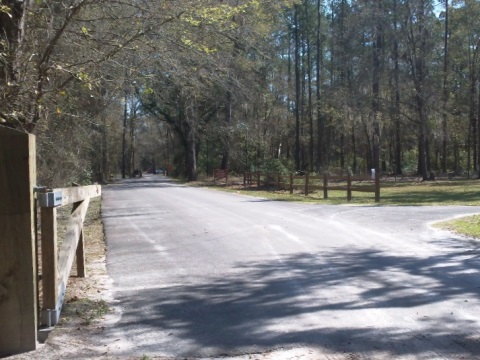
x: 200, y: 273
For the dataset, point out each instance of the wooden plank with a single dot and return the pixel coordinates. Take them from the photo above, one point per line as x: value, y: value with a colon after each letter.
x: 49, y: 257
x: 219, y: 174
x: 69, y: 246
x: 298, y: 186
x: 363, y: 188
x: 362, y: 178
x: 18, y: 265
x: 81, y: 269
x: 75, y: 194
x: 337, y: 178
x: 343, y: 188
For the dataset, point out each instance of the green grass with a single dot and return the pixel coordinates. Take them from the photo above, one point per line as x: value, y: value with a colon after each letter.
x: 453, y: 192
x: 458, y: 192
x: 468, y: 226
x: 87, y: 310
x: 401, y: 193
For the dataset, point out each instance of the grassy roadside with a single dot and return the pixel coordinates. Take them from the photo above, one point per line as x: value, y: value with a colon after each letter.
x: 467, y: 226
x: 398, y: 193
x: 393, y: 193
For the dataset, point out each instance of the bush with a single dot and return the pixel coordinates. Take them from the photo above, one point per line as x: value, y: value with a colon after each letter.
x: 273, y: 166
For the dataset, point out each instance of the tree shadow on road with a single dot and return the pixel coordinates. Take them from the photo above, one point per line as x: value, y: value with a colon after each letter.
x: 324, y: 300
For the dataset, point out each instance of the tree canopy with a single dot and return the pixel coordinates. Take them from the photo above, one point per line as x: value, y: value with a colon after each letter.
x: 313, y: 85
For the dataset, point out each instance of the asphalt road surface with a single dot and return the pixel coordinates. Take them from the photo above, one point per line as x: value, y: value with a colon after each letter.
x: 199, y: 273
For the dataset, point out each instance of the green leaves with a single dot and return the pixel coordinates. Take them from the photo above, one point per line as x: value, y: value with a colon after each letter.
x: 6, y: 10
x: 85, y: 31
x: 85, y: 79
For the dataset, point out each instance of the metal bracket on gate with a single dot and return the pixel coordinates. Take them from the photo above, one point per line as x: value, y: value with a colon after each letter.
x: 49, y: 198
x: 51, y: 317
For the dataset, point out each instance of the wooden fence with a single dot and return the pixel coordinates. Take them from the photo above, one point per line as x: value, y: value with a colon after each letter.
x: 57, y: 262
x: 19, y: 272
x: 219, y: 174
x: 308, y: 183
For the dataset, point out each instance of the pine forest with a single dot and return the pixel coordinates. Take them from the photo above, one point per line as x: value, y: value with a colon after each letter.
x: 188, y: 86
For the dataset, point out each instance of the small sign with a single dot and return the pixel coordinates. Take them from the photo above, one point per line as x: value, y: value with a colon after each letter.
x: 50, y: 199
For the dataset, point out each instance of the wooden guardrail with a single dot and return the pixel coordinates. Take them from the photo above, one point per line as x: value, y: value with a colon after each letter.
x: 57, y: 263
x: 308, y: 183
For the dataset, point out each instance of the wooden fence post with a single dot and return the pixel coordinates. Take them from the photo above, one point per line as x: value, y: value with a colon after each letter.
x: 80, y: 252
x: 49, y: 258
x: 325, y: 186
x: 291, y: 183
x: 377, y: 185
x: 18, y: 264
x: 306, y: 184
x: 349, y: 187
x: 258, y: 180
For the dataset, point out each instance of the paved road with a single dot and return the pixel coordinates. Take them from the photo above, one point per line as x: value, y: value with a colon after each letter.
x: 202, y: 273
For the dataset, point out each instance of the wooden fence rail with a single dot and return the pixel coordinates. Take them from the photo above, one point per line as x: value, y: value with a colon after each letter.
x: 219, y: 174
x: 308, y: 183
x: 57, y: 263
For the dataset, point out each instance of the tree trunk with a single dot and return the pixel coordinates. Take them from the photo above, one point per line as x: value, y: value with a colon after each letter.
x: 319, y: 66
x: 420, y: 77
x: 105, y: 165
x: 11, y: 44
x: 472, y: 117
x: 228, y: 121
x: 376, y: 68
x: 396, y: 107
x: 124, y: 139
x: 297, y: 88
x: 311, y: 148
x: 478, y: 132
x: 191, y: 151
x: 445, y: 93
x: 354, y: 150
x: 12, y: 32
x: 422, y: 140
